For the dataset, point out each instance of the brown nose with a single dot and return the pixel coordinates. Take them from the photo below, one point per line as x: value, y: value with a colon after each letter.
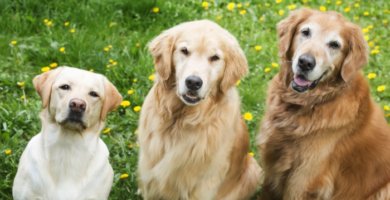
x: 77, y: 105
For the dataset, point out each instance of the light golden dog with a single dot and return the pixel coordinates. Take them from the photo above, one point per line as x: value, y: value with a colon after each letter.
x: 67, y: 159
x: 193, y: 141
x: 322, y: 136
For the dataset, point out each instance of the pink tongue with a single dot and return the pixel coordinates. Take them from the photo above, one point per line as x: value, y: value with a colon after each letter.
x: 301, y: 82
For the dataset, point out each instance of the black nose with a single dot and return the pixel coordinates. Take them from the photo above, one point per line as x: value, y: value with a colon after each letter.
x: 306, y: 62
x: 194, y: 82
x: 77, y: 105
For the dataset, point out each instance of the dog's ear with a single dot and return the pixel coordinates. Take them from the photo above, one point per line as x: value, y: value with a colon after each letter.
x: 286, y: 30
x: 43, y: 84
x: 236, y: 66
x: 162, y: 48
x: 112, y: 99
x: 357, y: 55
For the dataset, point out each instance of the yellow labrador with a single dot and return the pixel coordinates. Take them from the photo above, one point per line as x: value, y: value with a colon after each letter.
x: 67, y: 159
x: 193, y: 142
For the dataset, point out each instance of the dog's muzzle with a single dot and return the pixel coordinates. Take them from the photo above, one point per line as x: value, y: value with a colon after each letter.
x: 77, y: 109
x: 193, y: 85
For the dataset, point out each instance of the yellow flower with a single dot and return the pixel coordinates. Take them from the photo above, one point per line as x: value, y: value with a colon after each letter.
x: 48, y: 22
x: 251, y: 154
x: 124, y: 176
x: 45, y: 69
x: 13, y: 42
x: 292, y: 6
x: 322, y: 8
x: 53, y: 65
x: 231, y: 6
x: 356, y: 18
x: 274, y: 65
x: 258, y: 48
x: 347, y: 9
x: 125, y: 103
x: 281, y: 12
x: 8, y: 151
x: 365, y: 30
x: 248, y: 116
x: 262, y: 18
x: 239, y: 5
x: 266, y: 70
x: 339, y: 3
x: 366, y: 37
x: 62, y: 49
x: 357, y: 5
x: 205, y: 5
x: 21, y: 84
x: 370, y: 26
x: 130, y: 92
x: 238, y: 82
x: 242, y: 12
x: 66, y: 23
x: 135, y: 80
x: 386, y: 108
x: 156, y: 9
x: 366, y: 13
x: 23, y: 97
x: 374, y: 51
x: 381, y: 88
x: 72, y: 30
x: 371, y: 44
x: 278, y: 1
x: 106, y: 130
x: 305, y: 1
x: 151, y: 77
x: 371, y: 75
x: 137, y: 108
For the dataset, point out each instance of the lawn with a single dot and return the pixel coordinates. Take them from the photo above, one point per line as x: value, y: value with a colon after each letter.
x: 111, y: 37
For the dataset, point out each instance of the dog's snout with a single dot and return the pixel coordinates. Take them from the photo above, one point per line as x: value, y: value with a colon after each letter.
x: 194, y: 82
x: 77, y: 105
x: 306, y: 62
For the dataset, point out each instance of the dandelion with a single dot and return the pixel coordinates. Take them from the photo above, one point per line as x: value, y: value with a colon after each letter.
x: 248, y: 116
x: 106, y: 130
x: 366, y: 37
x: 370, y: 26
x: 292, y: 6
x: 262, y: 19
x: 66, y: 23
x: 374, y: 51
x: 238, y: 82
x: 357, y: 5
x: 386, y: 108
x: 365, y: 30
x: 72, y: 30
x: 322, y: 8
x: 251, y: 154
x: 281, y: 12
x: 339, y: 3
x: 242, y: 12
x: 45, y: 69
x: 8, y: 151
x: 366, y: 13
x: 347, y: 9
x: 48, y: 22
x: 381, y: 88
x: 124, y: 176
x: 137, y: 108
x: 20, y: 84
x: 258, y: 48
x: 130, y: 92
x: 266, y: 70
x: 371, y: 75
x: 205, y: 5
x: 125, y: 103
x: 135, y: 80
x: 62, y: 49
x: 53, y: 65
x: 239, y: 5
x: 305, y: 1
x: 231, y: 6
x: 356, y: 18
x: 371, y: 44
x: 278, y: 1
x: 156, y: 10
x: 151, y: 77
x: 13, y: 42
x: 274, y: 65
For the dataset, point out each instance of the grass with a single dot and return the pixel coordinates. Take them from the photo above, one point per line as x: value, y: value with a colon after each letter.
x: 110, y: 37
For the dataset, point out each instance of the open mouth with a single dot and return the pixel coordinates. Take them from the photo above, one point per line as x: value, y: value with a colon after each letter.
x: 191, y: 98
x: 301, y: 84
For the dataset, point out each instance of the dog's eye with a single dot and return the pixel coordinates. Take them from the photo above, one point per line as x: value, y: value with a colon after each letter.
x: 214, y: 58
x: 334, y: 45
x: 93, y: 94
x: 184, y: 50
x: 65, y: 87
x: 306, y: 32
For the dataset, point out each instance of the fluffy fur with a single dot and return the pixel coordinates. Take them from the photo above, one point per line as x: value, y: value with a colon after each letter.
x: 332, y: 141
x: 195, y: 150
x: 67, y: 159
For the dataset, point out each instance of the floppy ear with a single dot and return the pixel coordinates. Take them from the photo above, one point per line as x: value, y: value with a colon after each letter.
x: 161, y: 49
x: 357, y: 55
x: 236, y: 66
x: 112, y: 99
x: 287, y: 28
x: 43, y: 83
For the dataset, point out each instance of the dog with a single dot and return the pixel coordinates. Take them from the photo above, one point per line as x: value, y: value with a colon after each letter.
x: 193, y: 141
x: 67, y: 159
x: 322, y: 136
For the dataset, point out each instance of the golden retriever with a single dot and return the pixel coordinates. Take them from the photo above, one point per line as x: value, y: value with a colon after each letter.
x: 193, y: 141
x: 67, y: 159
x: 322, y: 136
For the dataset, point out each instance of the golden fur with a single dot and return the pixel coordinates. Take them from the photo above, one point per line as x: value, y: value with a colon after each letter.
x: 333, y: 141
x: 195, y: 151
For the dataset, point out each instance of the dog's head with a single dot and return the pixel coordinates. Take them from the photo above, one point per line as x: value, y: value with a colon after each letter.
x: 320, y: 46
x: 76, y: 99
x: 198, y: 58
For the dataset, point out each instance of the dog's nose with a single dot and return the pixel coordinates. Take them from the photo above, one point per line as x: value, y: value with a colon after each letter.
x: 306, y: 62
x: 77, y: 105
x: 194, y: 82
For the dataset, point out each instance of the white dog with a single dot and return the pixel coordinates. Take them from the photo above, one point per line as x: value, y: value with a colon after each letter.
x: 67, y: 159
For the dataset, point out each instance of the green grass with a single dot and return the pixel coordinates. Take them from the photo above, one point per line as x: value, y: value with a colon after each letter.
x: 128, y: 26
